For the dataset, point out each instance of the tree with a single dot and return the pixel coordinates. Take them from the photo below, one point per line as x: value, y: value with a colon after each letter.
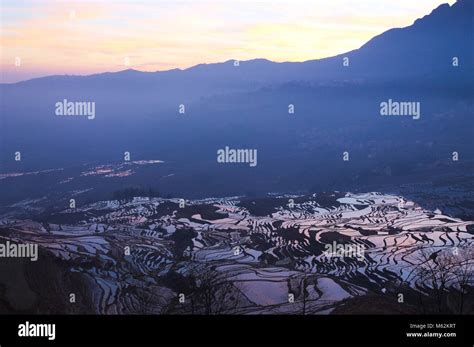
x: 445, y: 272
x: 464, y: 274
x: 207, y: 292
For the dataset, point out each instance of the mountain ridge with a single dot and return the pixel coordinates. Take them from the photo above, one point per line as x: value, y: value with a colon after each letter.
x: 459, y: 15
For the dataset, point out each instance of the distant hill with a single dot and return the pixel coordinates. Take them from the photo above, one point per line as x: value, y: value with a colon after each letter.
x: 420, y: 50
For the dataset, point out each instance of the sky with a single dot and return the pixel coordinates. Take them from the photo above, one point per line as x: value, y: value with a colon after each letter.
x: 50, y: 37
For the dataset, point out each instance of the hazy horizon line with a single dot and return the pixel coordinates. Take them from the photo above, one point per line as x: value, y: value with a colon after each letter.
x: 244, y: 49
x: 172, y: 69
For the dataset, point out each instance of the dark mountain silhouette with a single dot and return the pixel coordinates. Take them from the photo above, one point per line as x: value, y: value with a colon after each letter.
x: 425, y: 48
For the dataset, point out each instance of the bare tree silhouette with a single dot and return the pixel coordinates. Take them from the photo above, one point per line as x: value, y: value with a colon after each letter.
x: 443, y: 273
